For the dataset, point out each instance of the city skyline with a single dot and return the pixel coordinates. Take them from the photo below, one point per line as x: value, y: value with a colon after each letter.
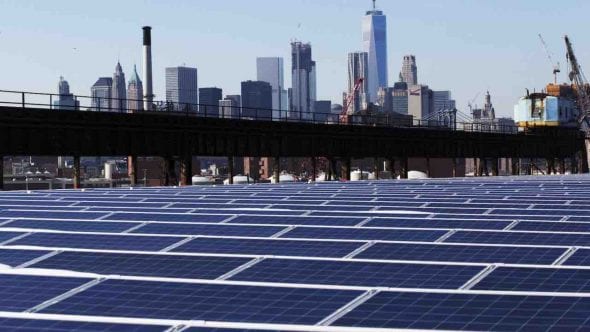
x: 498, y: 53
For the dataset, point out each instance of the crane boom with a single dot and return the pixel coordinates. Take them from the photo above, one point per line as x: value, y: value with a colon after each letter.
x: 580, y: 83
x: 555, y: 65
x: 350, y: 99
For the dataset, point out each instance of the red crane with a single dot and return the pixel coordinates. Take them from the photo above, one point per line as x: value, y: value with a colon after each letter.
x: 349, y: 100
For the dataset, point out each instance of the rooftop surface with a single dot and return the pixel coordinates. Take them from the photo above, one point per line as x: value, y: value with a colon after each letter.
x: 506, y: 253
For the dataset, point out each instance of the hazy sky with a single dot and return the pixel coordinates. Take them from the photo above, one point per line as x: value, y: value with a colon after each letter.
x: 463, y: 46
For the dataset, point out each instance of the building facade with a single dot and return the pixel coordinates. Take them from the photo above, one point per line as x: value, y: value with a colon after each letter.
x: 229, y: 109
x: 420, y: 101
x: 101, y: 93
x: 134, y: 92
x: 182, y: 88
x: 374, y: 29
x: 270, y: 69
x: 442, y: 101
x: 257, y: 100
x: 209, y: 101
x: 66, y: 100
x: 303, y: 86
x: 322, y: 110
x: 358, y: 68
x: 409, y: 72
x: 399, y: 98
x: 119, y: 94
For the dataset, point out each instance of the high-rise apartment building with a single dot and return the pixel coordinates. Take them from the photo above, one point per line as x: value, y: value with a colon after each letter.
x: 101, y: 93
x: 134, y: 92
x: 409, y: 72
x: 270, y: 69
x: 374, y: 27
x: 257, y: 100
x: 209, y: 101
x: 182, y: 89
x: 358, y: 68
x: 303, y: 85
x: 66, y: 100
x: 119, y: 94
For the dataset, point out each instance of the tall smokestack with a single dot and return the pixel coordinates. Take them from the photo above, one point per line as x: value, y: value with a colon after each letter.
x: 148, y: 94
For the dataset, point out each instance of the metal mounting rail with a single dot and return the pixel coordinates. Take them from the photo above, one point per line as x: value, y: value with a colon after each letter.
x: 240, y: 268
x: 283, y: 231
x: 348, y: 307
x: 38, y: 259
x: 178, y: 244
x: 446, y: 236
x: 65, y: 295
x: 360, y: 249
x: 478, y: 277
x: 565, y: 256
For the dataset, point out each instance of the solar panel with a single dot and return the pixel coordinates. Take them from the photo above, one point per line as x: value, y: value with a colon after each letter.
x: 269, y: 247
x: 92, y: 241
x: 470, y: 312
x: 560, y: 239
x: 51, y: 214
x: 165, y: 217
x: 174, y: 266
x: 437, y: 223
x: 6, y: 236
x: 285, y: 220
x: 35, y: 325
x: 70, y: 225
x: 13, y: 257
x: 359, y: 273
x: 365, y: 234
x: 552, y: 226
x: 202, y: 229
x: 536, y: 279
x: 167, y: 300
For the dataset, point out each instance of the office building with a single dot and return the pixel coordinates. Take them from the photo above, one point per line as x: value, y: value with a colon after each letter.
x: 358, y: 68
x: 257, y: 100
x: 119, y: 94
x: 322, y: 110
x: 420, y: 101
x: 101, y: 93
x: 270, y: 69
x: 442, y: 101
x: 134, y: 92
x: 66, y: 100
x: 409, y: 72
x: 399, y: 98
x: 303, y: 94
x: 229, y: 109
x: 209, y: 101
x: 182, y: 89
x: 374, y: 28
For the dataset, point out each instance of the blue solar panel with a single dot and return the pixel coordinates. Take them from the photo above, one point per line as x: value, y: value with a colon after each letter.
x: 284, y: 220
x: 470, y: 312
x: 562, y: 239
x: 175, y: 266
x: 552, y: 226
x: 120, y: 209
x: 270, y: 247
x: 462, y: 253
x: 437, y: 223
x: 165, y: 217
x: 14, y: 257
x: 502, y: 217
x: 38, y: 325
x: 580, y: 258
x: 91, y: 241
x: 22, y: 292
x: 268, y: 212
x: 205, y: 302
x: 114, y: 204
x: 536, y: 279
x: 200, y: 229
x: 51, y: 214
x: 78, y: 226
x: 365, y: 234
x: 359, y: 273
x: 5, y: 236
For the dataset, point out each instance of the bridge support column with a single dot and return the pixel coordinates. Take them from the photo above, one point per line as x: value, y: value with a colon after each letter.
x: 333, y: 174
x: 186, y: 171
x: 132, y: 170
x: 314, y: 166
x: 561, y: 166
x: 515, y: 166
x: 404, y: 168
x: 391, y: 167
x: 230, y: 170
x: 495, y: 171
x: 1, y: 173
x: 454, y: 161
x: 428, y: 166
x: 550, y: 166
x: 573, y: 165
x: 77, y: 172
x: 170, y: 170
x: 376, y: 168
x: 346, y: 169
x: 276, y: 169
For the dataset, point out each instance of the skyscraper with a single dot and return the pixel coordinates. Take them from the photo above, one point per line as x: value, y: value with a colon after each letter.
x: 134, y: 92
x: 375, y: 44
x: 442, y: 101
x: 409, y: 72
x: 303, y: 78
x: 270, y: 69
x: 399, y: 100
x: 182, y: 88
x: 119, y: 94
x: 358, y: 68
x: 257, y: 100
x: 101, y: 93
x: 209, y: 101
x: 66, y: 100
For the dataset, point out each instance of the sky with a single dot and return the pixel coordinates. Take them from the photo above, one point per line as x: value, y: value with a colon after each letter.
x: 466, y: 46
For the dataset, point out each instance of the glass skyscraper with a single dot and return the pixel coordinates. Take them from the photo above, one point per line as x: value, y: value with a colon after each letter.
x: 270, y: 69
x: 375, y: 44
x: 303, y: 77
x: 182, y: 88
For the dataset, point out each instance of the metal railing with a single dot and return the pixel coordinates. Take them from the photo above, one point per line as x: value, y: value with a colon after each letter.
x: 70, y: 102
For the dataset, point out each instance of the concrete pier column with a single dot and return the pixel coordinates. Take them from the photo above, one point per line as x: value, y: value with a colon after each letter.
x: 230, y: 170
x: 276, y: 169
x: 376, y: 168
x: 332, y: 173
x: 314, y: 168
x: 1, y: 173
x: 347, y: 169
x: 428, y: 172
x: 391, y: 167
x: 561, y: 166
x: 170, y: 171
x: 404, y: 168
x: 77, y: 182
x: 454, y: 161
x: 186, y: 171
x: 495, y: 170
x: 132, y: 170
x: 515, y: 166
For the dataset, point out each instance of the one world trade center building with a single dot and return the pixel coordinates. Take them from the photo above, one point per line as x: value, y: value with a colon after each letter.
x: 375, y: 44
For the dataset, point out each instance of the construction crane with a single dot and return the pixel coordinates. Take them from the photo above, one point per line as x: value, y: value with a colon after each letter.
x: 350, y: 100
x: 470, y: 103
x: 556, y: 66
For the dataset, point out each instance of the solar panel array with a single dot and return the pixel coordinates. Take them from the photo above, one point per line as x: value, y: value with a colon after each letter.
x: 464, y: 254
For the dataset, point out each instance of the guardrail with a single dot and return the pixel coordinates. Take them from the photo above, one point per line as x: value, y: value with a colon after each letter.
x: 226, y: 110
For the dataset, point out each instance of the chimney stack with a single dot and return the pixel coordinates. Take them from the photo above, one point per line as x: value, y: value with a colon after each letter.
x: 148, y: 95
